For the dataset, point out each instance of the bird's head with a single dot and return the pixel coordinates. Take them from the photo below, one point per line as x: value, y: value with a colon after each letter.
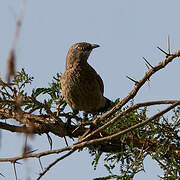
x: 79, y: 53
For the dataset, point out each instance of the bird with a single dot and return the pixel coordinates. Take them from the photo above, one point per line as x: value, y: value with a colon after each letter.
x: 82, y: 88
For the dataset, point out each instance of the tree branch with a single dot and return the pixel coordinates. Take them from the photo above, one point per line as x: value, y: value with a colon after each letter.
x: 54, y: 163
x: 173, y: 149
x: 18, y: 129
x: 133, y: 107
x: 138, y: 85
x: 39, y: 123
x: 132, y: 127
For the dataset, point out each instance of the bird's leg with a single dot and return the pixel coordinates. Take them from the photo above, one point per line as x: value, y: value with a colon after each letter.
x: 68, y: 123
x: 92, y: 125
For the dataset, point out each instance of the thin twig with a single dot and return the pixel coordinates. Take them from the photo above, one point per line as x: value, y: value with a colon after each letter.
x: 147, y: 66
x: 140, y: 83
x: 136, y: 82
x: 36, y: 155
x: 47, y: 109
x: 163, y: 51
x: 55, y: 162
x: 49, y: 140
x: 40, y: 163
x: 66, y: 141
x: 139, y: 155
x: 25, y: 148
x: 2, y: 175
x: 14, y: 169
x: 132, y: 165
x: 147, y: 62
x: 169, y: 50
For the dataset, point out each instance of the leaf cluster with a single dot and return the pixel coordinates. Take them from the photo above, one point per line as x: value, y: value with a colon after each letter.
x: 129, y: 159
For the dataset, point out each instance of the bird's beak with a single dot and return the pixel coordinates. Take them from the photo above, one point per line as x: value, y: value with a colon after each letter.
x: 94, y: 46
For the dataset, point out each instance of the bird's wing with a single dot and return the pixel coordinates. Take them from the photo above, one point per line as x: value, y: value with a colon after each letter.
x: 101, y: 84
x: 96, y: 76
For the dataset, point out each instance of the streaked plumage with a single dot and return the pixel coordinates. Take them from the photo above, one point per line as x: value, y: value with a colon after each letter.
x: 82, y: 87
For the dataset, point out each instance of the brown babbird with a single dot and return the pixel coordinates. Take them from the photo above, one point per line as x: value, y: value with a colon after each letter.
x: 82, y: 87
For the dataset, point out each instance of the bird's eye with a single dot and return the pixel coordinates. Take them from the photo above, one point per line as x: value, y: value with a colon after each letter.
x: 80, y: 48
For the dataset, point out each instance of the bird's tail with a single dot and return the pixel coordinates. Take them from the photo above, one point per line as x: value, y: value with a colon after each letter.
x: 108, y: 104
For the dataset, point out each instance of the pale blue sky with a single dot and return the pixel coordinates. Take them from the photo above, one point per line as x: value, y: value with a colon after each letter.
x: 126, y: 30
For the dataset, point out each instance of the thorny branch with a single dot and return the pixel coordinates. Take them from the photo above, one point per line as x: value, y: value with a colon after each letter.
x: 133, y: 107
x: 55, y: 162
x: 51, y: 121
x: 41, y: 125
x: 138, y: 85
x: 78, y: 145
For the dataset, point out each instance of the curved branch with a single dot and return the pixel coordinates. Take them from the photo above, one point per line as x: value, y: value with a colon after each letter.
x: 34, y: 121
x: 18, y: 129
x: 36, y: 155
x: 41, y: 125
x: 139, y: 84
x: 54, y: 163
x: 132, y: 127
x: 133, y: 107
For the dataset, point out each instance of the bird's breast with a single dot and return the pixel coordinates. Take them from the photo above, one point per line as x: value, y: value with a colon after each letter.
x: 81, y: 89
